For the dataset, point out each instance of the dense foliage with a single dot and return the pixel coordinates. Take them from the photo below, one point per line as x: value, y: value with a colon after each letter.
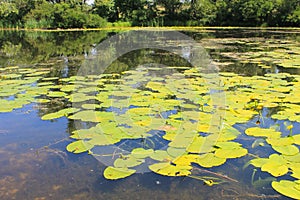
x: 81, y: 14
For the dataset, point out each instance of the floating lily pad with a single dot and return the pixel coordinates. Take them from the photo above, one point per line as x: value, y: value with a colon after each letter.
x: 210, y: 160
x: 287, y: 150
x: 58, y: 114
x: 287, y: 188
x: 161, y: 155
x: 262, y: 132
x: 141, y: 153
x: 168, y: 169
x: 231, y: 153
x: 280, y: 141
x: 275, y: 164
x: 92, y: 116
x: 113, y: 173
x: 185, y: 159
x: 127, y: 161
x: 79, y: 146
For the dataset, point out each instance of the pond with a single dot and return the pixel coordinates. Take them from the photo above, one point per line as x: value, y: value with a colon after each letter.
x: 150, y: 114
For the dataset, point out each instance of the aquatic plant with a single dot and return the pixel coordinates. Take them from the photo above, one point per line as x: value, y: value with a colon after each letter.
x: 173, y: 117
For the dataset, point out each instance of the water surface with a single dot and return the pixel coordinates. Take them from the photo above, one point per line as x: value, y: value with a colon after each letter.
x: 34, y: 161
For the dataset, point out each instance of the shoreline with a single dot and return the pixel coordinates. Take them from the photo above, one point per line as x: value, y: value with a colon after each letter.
x: 152, y: 28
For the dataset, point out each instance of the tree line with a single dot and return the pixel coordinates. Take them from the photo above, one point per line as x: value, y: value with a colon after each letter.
x: 102, y: 13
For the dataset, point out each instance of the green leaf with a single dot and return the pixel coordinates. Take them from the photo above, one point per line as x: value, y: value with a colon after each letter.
x: 167, y: 169
x: 128, y: 161
x: 79, y: 146
x: 280, y: 141
x: 58, y: 114
x: 141, y: 153
x: 92, y: 116
x: 293, y: 158
x: 262, y: 132
x: 259, y: 162
x: 161, y: 155
x: 296, y: 138
x: 289, y: 150
x: 287, y: 188
x: 228, y: 133
x: 276, y: 165
x: 210, y: 160
x: 196, y: 145
x: 181, y: 141
x: 113, y: 173
x: 275, y: 169
x: 228, y: 145
x: 56, y: 94
x: 231, y: 153
x: 175, y: 152
x: 295, y: 168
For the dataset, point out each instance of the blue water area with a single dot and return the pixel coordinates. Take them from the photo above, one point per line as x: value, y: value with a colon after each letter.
x: 24, y: 126
x: 34, y: 163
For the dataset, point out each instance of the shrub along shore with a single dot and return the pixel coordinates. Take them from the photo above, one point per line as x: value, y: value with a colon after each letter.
x: 83, y: 14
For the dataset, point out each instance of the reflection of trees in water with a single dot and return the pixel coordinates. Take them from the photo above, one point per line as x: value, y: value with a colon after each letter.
x: 136, y: 58
x: 247, y: 69
x: 24, y: 48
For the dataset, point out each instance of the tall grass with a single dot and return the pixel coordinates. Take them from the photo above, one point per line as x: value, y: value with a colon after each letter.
x: 33, y: 24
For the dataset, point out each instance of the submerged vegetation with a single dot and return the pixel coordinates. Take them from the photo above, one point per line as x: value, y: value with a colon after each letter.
x: 172, y: 120
x: 79, y: 14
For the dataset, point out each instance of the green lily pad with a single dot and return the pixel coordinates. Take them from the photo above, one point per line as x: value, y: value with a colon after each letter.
x: 275, y: 165
x: 113, y: 173
x: 287, y: 188
x: 231, y: 153
x: 262, y: 132
x: 79, y: 146
x: 228, y: 145
x: 275, y: 169
x: 186, y: 159
x: 167, y: 169
x: 56, y: 94
x: 90, y: 106
x: 228, y: 133
x: 58, y: 114
x: 181, y: 141
x: 280, y: 141
x: 161, y: 155
x: 210, y: 160
x: 294, y: 158
x: 141, y: 153
x: 175, y: 152
x: 296, y: 138
x: 128, y: 161
x: 259, y: 162
x: 92, y: 116
x: 287, y: 150
x: 196, y: 145
x: 80, y: 97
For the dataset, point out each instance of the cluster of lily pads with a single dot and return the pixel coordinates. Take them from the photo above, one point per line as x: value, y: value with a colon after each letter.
x: 266, y: 53
x: 180, y: 109
x: 20, y: 86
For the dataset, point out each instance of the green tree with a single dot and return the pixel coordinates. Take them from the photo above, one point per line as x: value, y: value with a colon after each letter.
x: 294, y: 17
x: 75, y: 16
x: 289, y: 13
x: 204, y: 11
x: 125, y: 8
x: 12, y: 11
x: 170, y: 6
x: 105, y: 8
x: 41, y: 16
x: 8, y: 13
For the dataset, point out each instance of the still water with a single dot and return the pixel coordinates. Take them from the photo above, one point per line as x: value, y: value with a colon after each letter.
x: 33, y: 157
